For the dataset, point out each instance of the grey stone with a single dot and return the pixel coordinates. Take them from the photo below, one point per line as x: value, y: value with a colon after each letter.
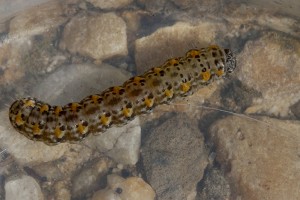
x: 174, y: 158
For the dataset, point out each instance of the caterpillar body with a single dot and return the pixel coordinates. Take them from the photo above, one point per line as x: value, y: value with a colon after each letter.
x: 177, y: 77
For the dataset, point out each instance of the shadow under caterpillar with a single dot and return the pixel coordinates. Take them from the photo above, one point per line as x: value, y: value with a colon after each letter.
x: 177, y: 77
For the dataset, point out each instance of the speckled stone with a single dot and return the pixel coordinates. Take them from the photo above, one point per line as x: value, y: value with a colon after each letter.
x: 174, y: 157
x: 214, y: 185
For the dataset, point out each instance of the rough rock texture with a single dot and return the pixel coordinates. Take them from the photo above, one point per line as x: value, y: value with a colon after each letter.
x: 174, y: 158
x: 213, y: 185
x: 262, y: 160
x: 132, y: 188
x: 98, y: 36
x: 109, y: 4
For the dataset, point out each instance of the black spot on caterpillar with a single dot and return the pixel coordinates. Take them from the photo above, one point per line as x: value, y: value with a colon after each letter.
x: 177, y: 77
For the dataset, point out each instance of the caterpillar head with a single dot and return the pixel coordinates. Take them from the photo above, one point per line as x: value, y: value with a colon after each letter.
x: 230, y: 62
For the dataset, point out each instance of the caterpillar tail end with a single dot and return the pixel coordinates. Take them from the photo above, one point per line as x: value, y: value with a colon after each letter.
x: 33, y: 119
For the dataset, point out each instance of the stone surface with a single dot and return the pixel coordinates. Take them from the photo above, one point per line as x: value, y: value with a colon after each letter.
x: 279, y: 23
x: 213, y: 185
x: 74, y: 82
x: 112, y: 4
x: 61, y: 191
x: 173, y: 41
x: 73, y: 158
x: 286, y: 7
x: 89, y: 177
x: 24, y: 188
x: 10, y: 58
x: 153, y: 6
x: 296, y: 109
x: 98, y: 36
x: 10, y: 8
x: 43, y: 57
x: 269, y: 66
x: 262, y: 160
x: 49, y: 170
x: 249, y: 22
x: 205, y: 6
x: 174, y: 157
x: 122, y: 144
x: 133, y: 188
x: 36, y: 21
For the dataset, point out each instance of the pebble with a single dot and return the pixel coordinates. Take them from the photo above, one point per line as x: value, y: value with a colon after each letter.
x: 98, y: 36
x: 23, y: 188
x: 214, y: 185
x: 132, y: 188
x: 268, y: 66
x: 122, y: 144
x: 36, y: 21
x: 169, y: 153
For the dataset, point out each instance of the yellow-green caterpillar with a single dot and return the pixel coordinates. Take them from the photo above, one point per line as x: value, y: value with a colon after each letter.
x: 177, y: 77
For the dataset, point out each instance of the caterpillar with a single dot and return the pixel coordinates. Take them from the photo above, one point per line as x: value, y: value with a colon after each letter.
x: 176, y: 78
